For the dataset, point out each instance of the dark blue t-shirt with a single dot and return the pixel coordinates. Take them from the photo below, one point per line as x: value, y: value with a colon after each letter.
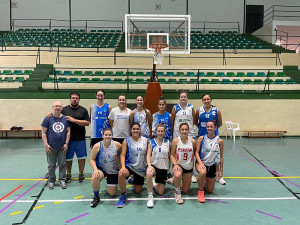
x: 57, y: 130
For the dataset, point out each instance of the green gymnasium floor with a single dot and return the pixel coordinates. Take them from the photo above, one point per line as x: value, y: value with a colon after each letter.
x: 252, y: 195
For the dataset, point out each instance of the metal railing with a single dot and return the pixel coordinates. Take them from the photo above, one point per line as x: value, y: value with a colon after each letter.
x: 281, y: 11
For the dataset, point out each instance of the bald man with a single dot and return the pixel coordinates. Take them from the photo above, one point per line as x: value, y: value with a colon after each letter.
x: 56, y: 136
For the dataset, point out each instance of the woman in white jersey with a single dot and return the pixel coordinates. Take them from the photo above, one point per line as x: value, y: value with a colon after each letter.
x: 105, y: 161
x: 119, y: 120
x: 204, y: 114
x: 209, y: 153
x: 99, y: 117
x: 182, y: 157
x: 158, y: 163
x: 183, y: 113
x: 133, y: 161
x: 142, y: 116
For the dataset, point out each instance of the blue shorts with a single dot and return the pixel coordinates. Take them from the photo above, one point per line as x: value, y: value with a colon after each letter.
x: 78, y: 147
x: 111, y: 179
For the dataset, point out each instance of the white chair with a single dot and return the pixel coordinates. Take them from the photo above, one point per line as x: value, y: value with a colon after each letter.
x: 232, y: 128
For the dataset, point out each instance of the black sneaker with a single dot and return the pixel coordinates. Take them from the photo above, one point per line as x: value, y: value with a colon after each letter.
x: 68, y: 177
x: 81, y: 178
x: 95, y: 201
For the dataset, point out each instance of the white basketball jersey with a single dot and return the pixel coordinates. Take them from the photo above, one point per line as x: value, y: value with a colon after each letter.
x: 160, y: 154
x: 183, y: 116
x: 210, y: 151
x: 185, y: 154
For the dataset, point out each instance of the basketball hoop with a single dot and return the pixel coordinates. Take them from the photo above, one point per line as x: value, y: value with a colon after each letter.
x: 158, y: 57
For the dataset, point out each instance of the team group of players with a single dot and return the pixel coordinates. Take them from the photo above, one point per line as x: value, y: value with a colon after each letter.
x: 122, y: 146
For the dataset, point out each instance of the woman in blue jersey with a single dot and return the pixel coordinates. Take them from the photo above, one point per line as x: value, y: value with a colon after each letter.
x: 182, y: 157
x: 105, y: 161
x: 209, y: 154
x: 204, y: 114
x: 183, y: 113
x: 99, y: 118
x: 133, y: 161
x: 142, y: 116
x: 162, y: 116
x: 158, y: 163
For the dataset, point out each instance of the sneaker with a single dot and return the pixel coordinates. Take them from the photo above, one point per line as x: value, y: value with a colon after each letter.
x: 81, y: 178
x: 153, y: 182
x: 51, y: 186
x: 68, y: 177
x: 178, y: 198
x: 194, y: 179
x: 95, y: 201
x: 221, y: 181
x: 62, y: 184
x: 130, y: 179
x: 150, y: 202
x: 201, y: 197
x: 122, y: 201
x: 170, y: 179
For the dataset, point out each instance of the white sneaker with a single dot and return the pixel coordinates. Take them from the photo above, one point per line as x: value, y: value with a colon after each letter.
x: 194, y: 179
x: 170, y: 180
x: 153, y: 182
x: 221, y: 181
x: 150, y: 202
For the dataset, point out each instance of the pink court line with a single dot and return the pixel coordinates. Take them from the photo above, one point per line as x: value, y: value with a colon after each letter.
x: 20, y: 196
x: 267, y: 214
x: 10, y: 193
x: 77, y: 217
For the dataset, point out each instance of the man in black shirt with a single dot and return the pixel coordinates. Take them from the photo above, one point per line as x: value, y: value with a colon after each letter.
x: 79, y: 118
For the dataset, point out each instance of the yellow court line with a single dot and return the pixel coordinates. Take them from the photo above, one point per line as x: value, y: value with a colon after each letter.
x: 81, y: 196
x: 129, y: 185
x: 38, y: 207
x: 58, y: 202
x: 11, y: 214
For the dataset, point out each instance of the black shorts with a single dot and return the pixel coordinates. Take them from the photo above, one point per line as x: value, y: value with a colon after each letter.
x: 137, y: 179
x: 95, y: 141
x: 120, y: 140
x: 211, y: 171
x: 111, y: 179
x: 161, y: 175
x: 186, y: 171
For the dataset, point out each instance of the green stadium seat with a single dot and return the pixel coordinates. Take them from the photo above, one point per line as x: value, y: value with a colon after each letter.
x: 149, y: 74
x: 170, y: 74
x: 237, y: 81
x: 272, y: 74
x: 162, y: 80
x: 179, y: 74
x: 281, y: 74
x: 215, y: 81
x: 106, y: 80
x: 49, y: 80
x: 269, y: 81
x: 130, y: 74
x: 7, y: 72
x: 84, y: 80
x: 260, y: 74
x: 172, y: 81
x: 250, y: 74
x: 225, y: 81
x: 247, y: 81
x: 230, y: 74
x: 118, y: 81
x: 8, y: 79
x: 204, y: 81
x: 96, y: 80
x: 182, y: 81
x: 279, y: 81
x: 258, y: 81
x: 109, y: 73
x: 290, y: 81
x: 128, y: 80
x: 139, y: 81
x: 67, y: 72
x: 19, y: 79
x: 99, y: 73
x: 119, y: 73
x: 57, y: 72
x: 78, y: 73
x: 220, y: 74
x: 62, y: 80
x: 160, y: 74
x: 73, y: 80
x: 190, y: 74
x: 210, y: 74
x: 193, y: 81
x: 240, y: 74
x: 88, y: 73
x: 17, y: 72
x: 140, y: 74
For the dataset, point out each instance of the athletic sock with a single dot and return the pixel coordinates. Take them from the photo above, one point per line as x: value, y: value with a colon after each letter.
x: 150, y: 193
x: 96, y: 193
x: 177, y: 190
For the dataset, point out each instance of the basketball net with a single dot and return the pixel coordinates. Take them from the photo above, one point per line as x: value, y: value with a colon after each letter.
x: 158, y: 57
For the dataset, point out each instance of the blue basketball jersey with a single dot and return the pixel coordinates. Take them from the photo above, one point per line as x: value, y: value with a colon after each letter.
x: 165, y: 119
x: 99, y: 120
x: 106, y: 158
x: 204, y: 117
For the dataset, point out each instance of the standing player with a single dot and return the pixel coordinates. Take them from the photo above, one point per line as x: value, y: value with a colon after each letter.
x: 142, y: 116
x: 119, y: 120
x: 158, y: 163
x: 209, y: 153
x: 133, y: 161
x: 99, y: 118
x: 79, y: 118
x: 182, y: 157
x: 204, y: 114
x: 162, y: 116
x: 105, y: 161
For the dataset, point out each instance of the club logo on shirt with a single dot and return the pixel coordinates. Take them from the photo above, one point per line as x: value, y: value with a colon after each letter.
x: 206, y: 115
x: 58, y: 127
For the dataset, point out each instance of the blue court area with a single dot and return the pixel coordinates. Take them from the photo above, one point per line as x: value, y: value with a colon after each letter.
x: 263, y: 187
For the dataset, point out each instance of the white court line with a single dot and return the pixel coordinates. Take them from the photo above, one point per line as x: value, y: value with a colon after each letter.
x: 159, y: 199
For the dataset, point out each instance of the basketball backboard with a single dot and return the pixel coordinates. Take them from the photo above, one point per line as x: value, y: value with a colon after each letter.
x: 142, y: 30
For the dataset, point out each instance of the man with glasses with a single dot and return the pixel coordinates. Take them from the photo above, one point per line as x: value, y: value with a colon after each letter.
x: 78, y: 116
x: 56, y: 136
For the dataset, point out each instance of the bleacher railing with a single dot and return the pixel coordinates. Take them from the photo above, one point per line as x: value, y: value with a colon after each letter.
x: 286, y: 12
